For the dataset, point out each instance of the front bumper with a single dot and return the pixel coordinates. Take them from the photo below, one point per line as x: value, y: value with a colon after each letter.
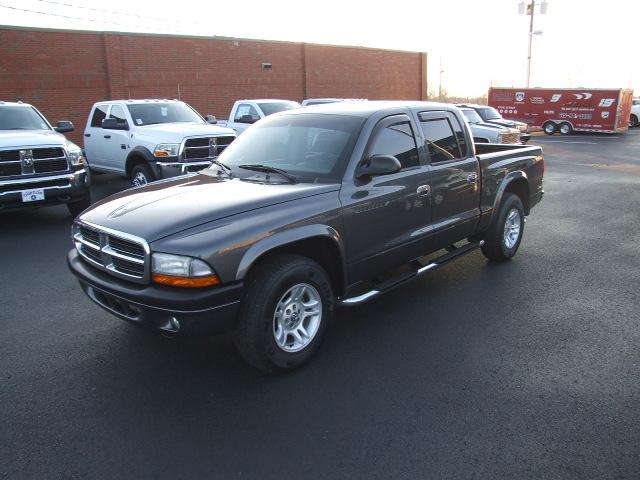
x: 525, y: 137
x: 60, y: 188
x: 174, y: 168
x: 172, y: 311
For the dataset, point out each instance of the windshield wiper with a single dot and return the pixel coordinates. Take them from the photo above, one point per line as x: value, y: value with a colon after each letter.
x: 225, y: 168
x: 268, y: 169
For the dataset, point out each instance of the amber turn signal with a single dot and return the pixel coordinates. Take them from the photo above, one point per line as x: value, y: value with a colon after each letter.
x: 188, y: 282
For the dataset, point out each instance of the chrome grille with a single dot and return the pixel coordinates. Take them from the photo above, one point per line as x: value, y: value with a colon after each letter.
x: 205, y: 148
x: 29, y: 161
x: 117, y: 253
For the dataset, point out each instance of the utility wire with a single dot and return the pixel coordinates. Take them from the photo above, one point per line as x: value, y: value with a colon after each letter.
x: 70, y: 17
x: 120, y: 13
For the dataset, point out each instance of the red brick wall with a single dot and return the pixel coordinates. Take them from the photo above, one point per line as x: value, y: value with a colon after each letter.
x: 63, y: 72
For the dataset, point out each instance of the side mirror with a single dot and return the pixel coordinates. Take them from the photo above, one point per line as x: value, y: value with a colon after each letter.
x: 247, y: 119
x: 211, y: 119
x: 114, y: 124
x: 378, y: 165
x: 64, y: 126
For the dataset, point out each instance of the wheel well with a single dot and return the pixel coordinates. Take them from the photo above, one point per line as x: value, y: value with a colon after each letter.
x: 520, y: 187
x: 132, y: 161
x: 319, y: 249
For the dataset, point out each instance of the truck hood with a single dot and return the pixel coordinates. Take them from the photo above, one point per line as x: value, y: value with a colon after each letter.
x: 176, y: 132
x: 507, y: 123
x: 170, y: 206
x: 487, y: 127
x: 30, y: 138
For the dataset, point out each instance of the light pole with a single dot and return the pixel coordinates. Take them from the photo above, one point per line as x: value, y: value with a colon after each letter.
x: 440, y: 82
x: 531, y: 10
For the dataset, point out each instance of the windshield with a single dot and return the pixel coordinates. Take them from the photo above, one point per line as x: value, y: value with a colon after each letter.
x: 165, y: 112
x: 472, y: 116
x: 312, y: 148
x: 489, y: 113
x: 16, y: 117
x: 269, y: 108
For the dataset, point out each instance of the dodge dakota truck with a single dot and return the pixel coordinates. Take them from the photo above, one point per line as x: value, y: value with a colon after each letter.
x: 309, y: 209
x: 38, y: 165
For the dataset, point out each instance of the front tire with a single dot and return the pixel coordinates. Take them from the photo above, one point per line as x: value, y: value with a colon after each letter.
x: 141, y: 175
x: 503, y: 238
x: 288, y: 304
x: 633, y: 120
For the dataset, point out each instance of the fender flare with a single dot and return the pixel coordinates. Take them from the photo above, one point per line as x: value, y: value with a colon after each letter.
x: 139, y: 151
x: 287, y: 237
x: 506, y: 181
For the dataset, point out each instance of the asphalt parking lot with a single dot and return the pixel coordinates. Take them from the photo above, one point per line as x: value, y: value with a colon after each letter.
x: 529, y: 369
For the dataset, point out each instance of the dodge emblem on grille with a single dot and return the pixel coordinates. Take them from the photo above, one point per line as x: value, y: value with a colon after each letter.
x: 213, y: 146
x: 26, y: 157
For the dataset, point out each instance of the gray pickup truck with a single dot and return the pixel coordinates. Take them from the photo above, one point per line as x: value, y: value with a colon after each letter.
x: 309, y: 209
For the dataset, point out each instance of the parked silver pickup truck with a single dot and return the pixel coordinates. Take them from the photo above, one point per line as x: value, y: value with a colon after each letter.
x: 245, y: 113
x: 488, y: 133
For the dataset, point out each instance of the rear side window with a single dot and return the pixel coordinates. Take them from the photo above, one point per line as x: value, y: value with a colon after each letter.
x: 397, y: 140
x: 99, y: 114
x: 462, y: 139
x: 441, y: 141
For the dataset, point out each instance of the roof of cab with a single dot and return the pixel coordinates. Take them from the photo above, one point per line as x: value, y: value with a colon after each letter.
x: 366, y: 109
x: 15, y: 104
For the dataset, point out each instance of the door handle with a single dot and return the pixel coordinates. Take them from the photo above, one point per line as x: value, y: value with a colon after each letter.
x: 472, y: 178
x: 107, y: 136
x: 87, y: 134
x: 423, y: 190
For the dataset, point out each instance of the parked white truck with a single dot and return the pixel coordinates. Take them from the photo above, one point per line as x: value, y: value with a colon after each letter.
x: 38, y: 165
x: 245, y: 113
x: 147, y: 140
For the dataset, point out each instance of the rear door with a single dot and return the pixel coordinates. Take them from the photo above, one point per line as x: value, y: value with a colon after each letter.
x: 385, y: 216
x: 93, y: 140
x: 455, y: 178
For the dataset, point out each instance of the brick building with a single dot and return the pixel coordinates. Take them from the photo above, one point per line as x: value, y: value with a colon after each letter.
x: 64, y: 72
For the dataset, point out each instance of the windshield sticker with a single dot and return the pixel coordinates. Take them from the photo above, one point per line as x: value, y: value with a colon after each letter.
x: 164, y: 111
x: 139, y: 121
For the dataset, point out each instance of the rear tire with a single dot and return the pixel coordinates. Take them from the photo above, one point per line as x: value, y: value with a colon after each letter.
x: 287, y: 307
x: 503, y: 238
x: 77, y: 207
x: 549, y: 128
x: 141, y: 175
x: 565, y: 128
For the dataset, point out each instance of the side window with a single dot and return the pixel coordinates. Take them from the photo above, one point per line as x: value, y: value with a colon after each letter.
x: 246, y: 113
x: 441, y: 141
x: 99, y: 114
x: 117, y: 112
x: 397, y: 140
x: 462, y: 140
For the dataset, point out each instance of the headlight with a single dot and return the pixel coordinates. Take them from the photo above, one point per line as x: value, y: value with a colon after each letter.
x: 523, y: 128
x: 182, y: 271
x: 75, y: 154
x: 499, y: 139
x: 167, y: 150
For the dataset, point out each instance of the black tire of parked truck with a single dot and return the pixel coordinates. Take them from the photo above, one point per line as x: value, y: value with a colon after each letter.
x: 633, y: 120
x: 285, y: 295
x: 503, y: 238
x: 141, y: 174
x: 79, y: 206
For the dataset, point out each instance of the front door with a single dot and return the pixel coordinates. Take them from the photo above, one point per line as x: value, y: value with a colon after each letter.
x: 455, y: 178
x: 116, y: 142
x: 93, y: 137
x: 385, y: 216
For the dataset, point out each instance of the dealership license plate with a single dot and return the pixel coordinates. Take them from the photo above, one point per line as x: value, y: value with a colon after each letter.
x: 33, y: 195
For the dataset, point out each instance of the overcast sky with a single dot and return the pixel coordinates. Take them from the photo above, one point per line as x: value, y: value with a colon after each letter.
x: 584, y: 43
